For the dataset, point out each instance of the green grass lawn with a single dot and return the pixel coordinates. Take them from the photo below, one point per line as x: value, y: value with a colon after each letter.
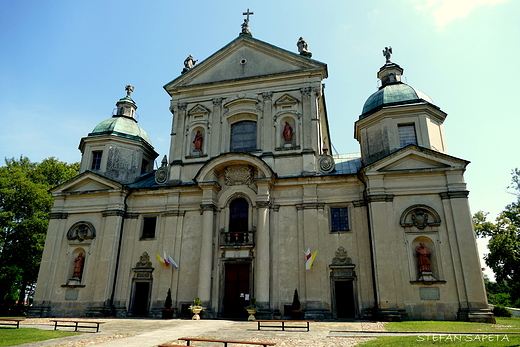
x: 504, y: 325
x: 12, y: 336
x: 432, y: 338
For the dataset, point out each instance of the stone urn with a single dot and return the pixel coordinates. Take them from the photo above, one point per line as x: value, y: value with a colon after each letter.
x: 251, y: 314
x: 196, y: 312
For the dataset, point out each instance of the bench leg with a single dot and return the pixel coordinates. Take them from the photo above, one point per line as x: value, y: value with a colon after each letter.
x: 55, y: 325
x: 283, y: 326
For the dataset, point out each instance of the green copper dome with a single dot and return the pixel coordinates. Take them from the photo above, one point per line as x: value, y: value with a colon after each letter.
x: 393, y: 94
x: 121, y: 126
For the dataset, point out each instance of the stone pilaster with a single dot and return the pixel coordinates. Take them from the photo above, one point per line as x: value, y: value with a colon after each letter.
x: 217, y: 128
x: 262, y: 253
x: 206, y: 253
x: 269, y: 137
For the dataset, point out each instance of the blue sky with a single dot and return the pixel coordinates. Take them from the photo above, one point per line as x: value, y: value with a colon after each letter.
x: 64, y: 65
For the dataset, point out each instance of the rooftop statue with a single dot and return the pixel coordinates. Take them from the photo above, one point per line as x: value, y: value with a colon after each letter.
x: 302, y: 47
x: 387, y: 52
x: 129, y: 89
x: 245, y: 25
x: 189, y: 63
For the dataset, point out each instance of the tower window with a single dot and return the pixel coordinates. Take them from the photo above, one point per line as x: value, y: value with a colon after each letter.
x: 406, y: 134
x: 243, y: 136
x: 96, y: 160
x: 339, y: 219
x: 149, y: 224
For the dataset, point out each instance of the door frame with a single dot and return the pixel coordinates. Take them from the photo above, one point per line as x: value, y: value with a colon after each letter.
x: 133, y: 297
x: 225, y: 262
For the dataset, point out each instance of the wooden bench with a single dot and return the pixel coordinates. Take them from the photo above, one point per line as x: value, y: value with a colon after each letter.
x: 225, y: 342
x: 283, y: 325
x: 11, y: 321
x: 76, y: 325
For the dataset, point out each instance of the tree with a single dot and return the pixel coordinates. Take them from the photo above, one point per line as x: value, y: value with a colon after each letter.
x: 25, y: 204
x: 504, y: 244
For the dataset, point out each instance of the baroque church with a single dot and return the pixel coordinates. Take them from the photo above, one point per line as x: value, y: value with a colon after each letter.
x: 249, y: 203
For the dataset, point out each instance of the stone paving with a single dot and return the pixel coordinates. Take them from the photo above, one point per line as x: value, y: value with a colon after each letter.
x: 153, y: 332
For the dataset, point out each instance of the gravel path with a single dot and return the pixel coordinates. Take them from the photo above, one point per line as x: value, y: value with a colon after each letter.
x: 152, y: 332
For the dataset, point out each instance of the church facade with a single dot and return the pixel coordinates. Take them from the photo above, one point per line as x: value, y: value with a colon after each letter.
x: 249, y: 203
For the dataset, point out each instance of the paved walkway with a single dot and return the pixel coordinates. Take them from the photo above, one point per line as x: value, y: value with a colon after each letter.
x: 153, y: 332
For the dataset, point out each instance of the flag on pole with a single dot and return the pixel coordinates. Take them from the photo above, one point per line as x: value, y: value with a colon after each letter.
x: 310, y: 258
x: 161, y: 259
x: 171, y: 261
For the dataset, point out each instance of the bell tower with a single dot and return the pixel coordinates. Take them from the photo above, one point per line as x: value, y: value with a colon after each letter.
x: 398, y: 115
x: 118, y: 147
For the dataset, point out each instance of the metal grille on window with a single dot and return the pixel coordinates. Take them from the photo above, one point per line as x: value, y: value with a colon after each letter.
x: 243, y: 136
x: 406, y: 134
x: 339, y: 219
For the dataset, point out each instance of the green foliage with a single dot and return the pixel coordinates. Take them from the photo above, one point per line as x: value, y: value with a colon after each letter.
x: 504, y: 244
x: 13, y: 336
x: 25, y: 204
x: 502, y: 311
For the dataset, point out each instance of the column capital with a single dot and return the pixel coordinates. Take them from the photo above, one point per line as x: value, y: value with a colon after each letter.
x: 454, y: 194
x: 263, y: 204
x: 207, y: 207
x: 380, y: 198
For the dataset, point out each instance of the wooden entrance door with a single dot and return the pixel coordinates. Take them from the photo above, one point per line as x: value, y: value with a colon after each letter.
x: 140, y: 299
x: 236, y: 289
x: 344, y: 297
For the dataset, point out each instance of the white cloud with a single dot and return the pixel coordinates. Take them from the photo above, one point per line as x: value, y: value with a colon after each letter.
x: 445, y: 11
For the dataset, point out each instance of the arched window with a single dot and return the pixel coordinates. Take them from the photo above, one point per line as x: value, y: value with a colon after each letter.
x: 243, y: 136
x: 238, y: 215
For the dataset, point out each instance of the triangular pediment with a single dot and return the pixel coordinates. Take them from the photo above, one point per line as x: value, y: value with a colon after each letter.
x: 198, y: 110
x: 414, y: 158
x: 86, y: 182
x: 286, y: 100
x: 246, y: 57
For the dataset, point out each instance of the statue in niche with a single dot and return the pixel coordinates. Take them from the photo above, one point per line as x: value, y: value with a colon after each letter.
x: 198, y: 141
x: 424, y: 261
x: 189, y: 63
x: 302, y: 47
x: 78, y: 266
x: 287, y: 132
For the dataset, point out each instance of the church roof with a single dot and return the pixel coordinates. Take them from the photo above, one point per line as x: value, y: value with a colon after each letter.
x: 243, y: 58
x: 393, y: 94
x: 121, y: 126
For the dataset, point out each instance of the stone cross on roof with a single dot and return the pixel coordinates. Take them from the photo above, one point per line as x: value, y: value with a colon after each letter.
x: 247, y: 14
x: 129, y: 89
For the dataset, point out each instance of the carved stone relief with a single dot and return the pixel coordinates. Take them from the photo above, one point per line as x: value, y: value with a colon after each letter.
x: 81, y: 231
x: 238, y: 174
x: 420, y: 216
x: 326, y: 163
x: 341, y: 257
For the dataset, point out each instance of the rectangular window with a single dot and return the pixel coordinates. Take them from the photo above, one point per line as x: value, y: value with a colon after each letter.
x: 149, y: 224
x: 339, y: 219
x: 243, y: 136
x: 96, y: 160
x: 406, y: 134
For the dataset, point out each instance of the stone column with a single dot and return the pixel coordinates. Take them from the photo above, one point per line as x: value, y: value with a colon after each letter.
x: 262, y: 273
x: 217, y: 128
x: 206, y: 254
